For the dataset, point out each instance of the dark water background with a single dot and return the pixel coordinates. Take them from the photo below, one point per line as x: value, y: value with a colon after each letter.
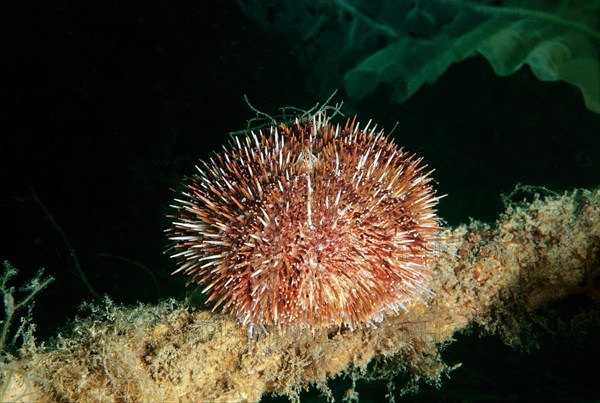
x: 106, y: 106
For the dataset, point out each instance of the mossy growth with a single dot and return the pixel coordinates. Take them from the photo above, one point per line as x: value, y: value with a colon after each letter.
x: 495, y: 277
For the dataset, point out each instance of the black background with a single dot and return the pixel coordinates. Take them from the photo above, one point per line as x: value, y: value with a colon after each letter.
x: 106, y: 106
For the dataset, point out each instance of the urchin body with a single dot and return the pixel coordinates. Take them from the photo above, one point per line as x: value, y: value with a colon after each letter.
x: 308, y: 224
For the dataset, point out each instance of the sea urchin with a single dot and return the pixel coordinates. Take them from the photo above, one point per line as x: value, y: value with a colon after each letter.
x: 308, y: 224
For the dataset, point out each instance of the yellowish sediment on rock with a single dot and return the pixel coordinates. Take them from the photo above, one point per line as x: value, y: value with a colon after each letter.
x: 535, y: 254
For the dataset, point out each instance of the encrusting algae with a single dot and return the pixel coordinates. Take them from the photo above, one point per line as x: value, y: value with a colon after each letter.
x: 538, y: 253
